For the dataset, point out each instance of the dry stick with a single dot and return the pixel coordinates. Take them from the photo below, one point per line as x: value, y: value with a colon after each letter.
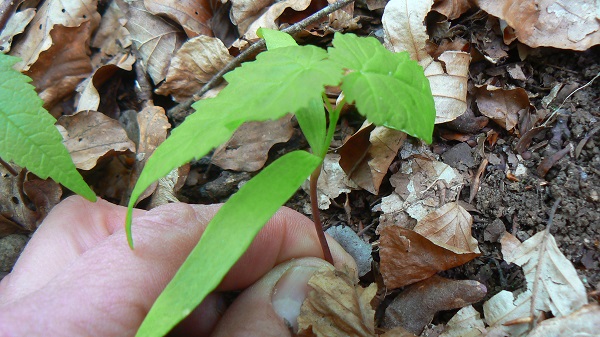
x: 9, y: 168
x: 179, y: 112
x: 539, y: 263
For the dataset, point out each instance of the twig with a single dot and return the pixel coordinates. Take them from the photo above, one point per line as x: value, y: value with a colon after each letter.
x: 179, y: 112
x: 9, y: 168
x: 565, y: 100
x: 539, y: 263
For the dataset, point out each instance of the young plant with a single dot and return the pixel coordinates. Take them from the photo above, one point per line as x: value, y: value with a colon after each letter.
x: 387, y: 88
x: 28, y: 136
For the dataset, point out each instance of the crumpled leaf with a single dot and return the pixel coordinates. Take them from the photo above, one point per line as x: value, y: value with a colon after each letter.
x: 26, y: 200
x: 404, y: 30
x: 466, y: 322
x: 503, y: 106
x: 421, y: 186
x: 561, y: 24
x: 90, y: 135
x: 559, y: 288
x: 15, y: 25
x: 367, y: 155
x: 194, y: 64
x: 248, y: 148
x: 415, y: 307
x: 37, y: 37
x: 452, y: 9
x: 337, y: 306
x: 332, y: 181
x: 112, y: 36
x: 193, y: 15
x: 450, y: 227
x: 583, y: 322
x: 59, y: 69
x: 408, y: 257
x: 155, y: 38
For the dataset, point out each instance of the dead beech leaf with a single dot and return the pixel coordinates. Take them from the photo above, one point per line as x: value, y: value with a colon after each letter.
x: 337, y: 306
x: 25, y: 201
x: 559, y: 288
x: 421, y: 186
x: 112, y: 36
x: 64, y: 65
x: 509, y: 243
x: 154, y: 37
x: 15, y: 25
x: 583, y: 322
x: 193, y: 15
x: 332, y: 181
x: 90, y: 135
x: 415, y: 307
x: 451, y: 9
x: 404, y: 30
x: 367, y: 163
x: 194, y: 64
x: 466, y: 322
x: 408, y: 257
x: 561, y: 24
x: 37, y: 38
x: 248, y: 148
x: 503, y: 106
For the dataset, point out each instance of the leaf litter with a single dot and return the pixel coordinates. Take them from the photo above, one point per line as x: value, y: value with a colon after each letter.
x: 180, y: 55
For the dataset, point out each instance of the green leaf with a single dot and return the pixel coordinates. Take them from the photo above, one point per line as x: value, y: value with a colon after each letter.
x: 276, y: 39
x: 280, y: 81
x: 314, y: 126
x: 28, y: 136
x: 226, y: 238
x: 389, y: 88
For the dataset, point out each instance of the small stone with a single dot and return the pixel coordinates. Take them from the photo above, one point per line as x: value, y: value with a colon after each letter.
x: 10, y: 249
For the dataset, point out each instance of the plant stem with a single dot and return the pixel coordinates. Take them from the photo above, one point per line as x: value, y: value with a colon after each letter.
x: 314, y: 177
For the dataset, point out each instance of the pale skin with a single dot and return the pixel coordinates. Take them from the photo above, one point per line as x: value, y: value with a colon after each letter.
x: 78, y: 277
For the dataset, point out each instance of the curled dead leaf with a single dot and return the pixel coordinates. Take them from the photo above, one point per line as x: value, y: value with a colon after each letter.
x: 503, y: 106
x: 193, y: 15
x: 15, y: 25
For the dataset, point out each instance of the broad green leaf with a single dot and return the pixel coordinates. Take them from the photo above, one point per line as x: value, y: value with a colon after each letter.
x: 389, y: 88
x: 314, y: 126
x: 280, y: 81
x: 28, y: 136
x: 276, y: 39
x: 226, y: 238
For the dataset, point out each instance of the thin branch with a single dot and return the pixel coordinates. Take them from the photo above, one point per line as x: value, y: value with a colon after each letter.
x: 9, y: 168
x: 180, y: 111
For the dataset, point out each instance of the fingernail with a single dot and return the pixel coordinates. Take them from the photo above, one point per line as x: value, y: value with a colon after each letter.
x: 289, y: 293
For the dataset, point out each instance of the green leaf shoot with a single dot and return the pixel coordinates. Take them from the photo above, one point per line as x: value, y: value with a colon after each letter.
x: 237, y: 222
x: 280, y: 81
x: 314, y: 126
x: 389, y: 88
x: 276, y: 39
x: 28, y: 136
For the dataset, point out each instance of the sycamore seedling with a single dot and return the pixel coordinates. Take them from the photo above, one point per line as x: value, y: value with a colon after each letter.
x: 387, y: 88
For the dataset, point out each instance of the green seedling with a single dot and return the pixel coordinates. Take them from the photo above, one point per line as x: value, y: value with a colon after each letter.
x: 28, y: 136
x: 387, y: 88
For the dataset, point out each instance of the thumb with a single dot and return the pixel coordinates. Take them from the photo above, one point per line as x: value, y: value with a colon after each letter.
x: 271, y: 306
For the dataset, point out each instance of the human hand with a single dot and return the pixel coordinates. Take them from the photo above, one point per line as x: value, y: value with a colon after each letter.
x: 78, y: 277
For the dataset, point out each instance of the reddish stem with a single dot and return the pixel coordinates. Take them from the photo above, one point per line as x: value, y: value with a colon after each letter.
x: 314, y: 177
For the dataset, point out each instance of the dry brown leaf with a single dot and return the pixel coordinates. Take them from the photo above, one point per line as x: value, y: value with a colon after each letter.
x: 343, y: 19
x: 421, y: 186
x: 155, y: 38
x: 25, y: 200
x: 452, y: 9
x: 583, y: 322
x: 415, y: 307
x: 367, y: 155
x: 404, y: 30
x: 194, y: 64
x: 450, y: 227
x: 64, y: 65
x: 559, y: 288
x: 89, y: 98
x: 503, y: 106
x: 244, y: 12
x: 112, y: 36
x: 248, y: 148
x: 466, y: 322
x: 193, y: 15
x: 509, y: 243
x: 90, y: 135
x: 332, y: 181
x: 337, y: 306
x: 562, y: 24
x: 37, y: 36
x: 398, y: 332
x: 15, y: 25
x: 408, y: 257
